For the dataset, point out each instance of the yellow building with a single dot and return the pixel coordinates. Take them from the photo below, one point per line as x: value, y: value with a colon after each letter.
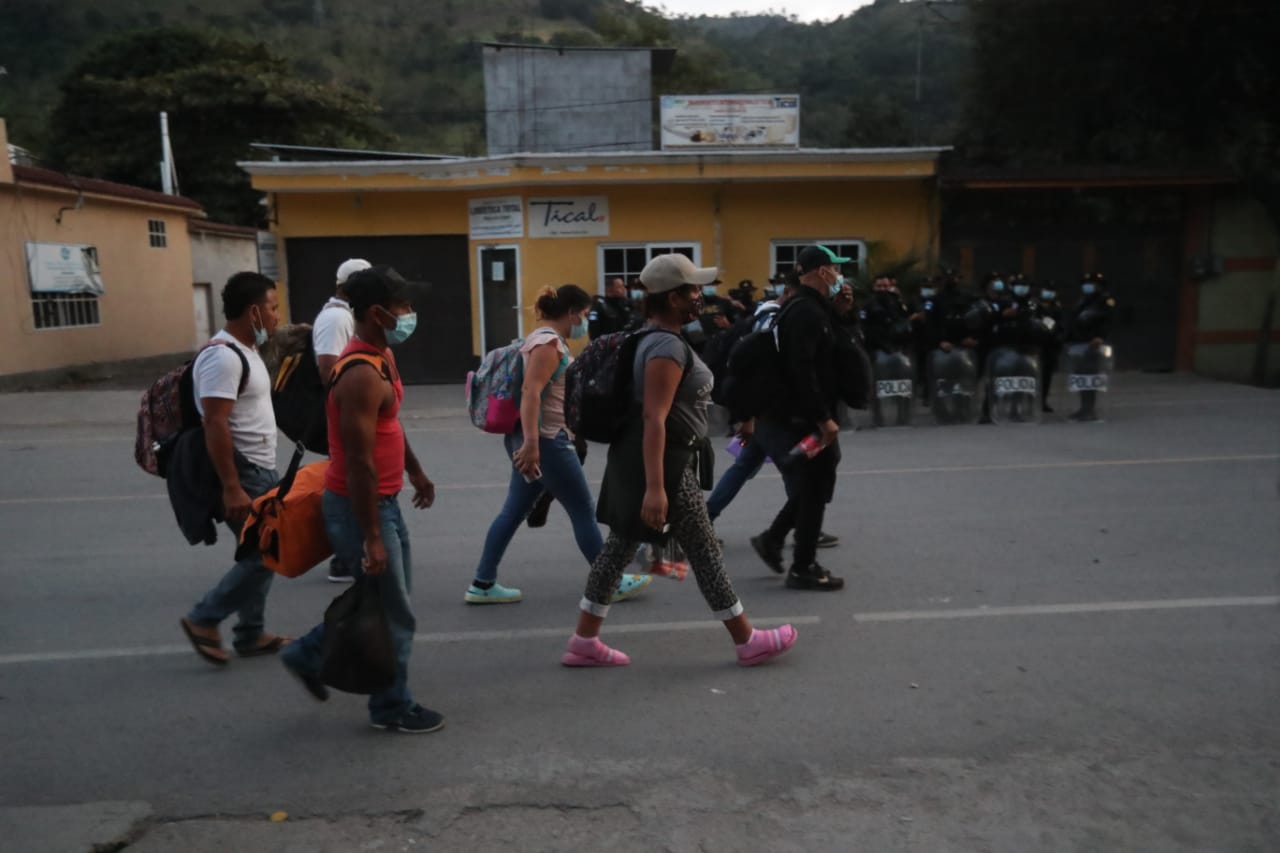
x: 91, y: 271
x: 488, y: 233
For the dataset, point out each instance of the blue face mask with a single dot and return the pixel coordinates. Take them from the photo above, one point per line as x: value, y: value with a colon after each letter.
x: 1088, y: 289
x: 579, y: 329
x: 926, y: 292
x: 1021, y: 290
x: 997, y: 286
x: 694, y: 328
x: 260, y: 336
x: 405, y: 324
x: 838, y: 286
x: 1049, y: 295
x: 708, y: 290
x: 637, y: 295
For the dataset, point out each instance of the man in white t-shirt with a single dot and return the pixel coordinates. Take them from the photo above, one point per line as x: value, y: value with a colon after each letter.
x: 335, y: 325
x: 240, y: 434
x: 332, y: 331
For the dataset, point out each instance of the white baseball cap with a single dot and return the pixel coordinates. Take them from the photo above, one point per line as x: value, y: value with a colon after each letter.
x: 347, y: 267
x: 670, y: 272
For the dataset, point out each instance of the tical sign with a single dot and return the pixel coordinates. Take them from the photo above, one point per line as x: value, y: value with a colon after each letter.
x: 63, y: 268
x: 496, y: 218
x: 730, y: 121
x: 571, y: 216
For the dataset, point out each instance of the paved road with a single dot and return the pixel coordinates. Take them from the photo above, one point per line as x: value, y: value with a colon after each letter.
x: 1054, y: 638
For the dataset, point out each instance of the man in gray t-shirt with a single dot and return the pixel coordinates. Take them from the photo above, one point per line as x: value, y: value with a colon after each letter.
x: 693, y: 395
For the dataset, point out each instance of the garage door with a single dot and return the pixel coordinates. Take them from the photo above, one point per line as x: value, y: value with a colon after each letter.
x: 440, y: 350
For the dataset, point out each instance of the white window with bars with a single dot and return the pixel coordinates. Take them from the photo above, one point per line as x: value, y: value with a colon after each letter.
x: 65, y: 310
x: 783, y: 253
x: 625, y: 260
x: 156, y: 234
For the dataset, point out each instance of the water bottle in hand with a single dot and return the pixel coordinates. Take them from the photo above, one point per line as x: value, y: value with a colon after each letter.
x: 809, y: 447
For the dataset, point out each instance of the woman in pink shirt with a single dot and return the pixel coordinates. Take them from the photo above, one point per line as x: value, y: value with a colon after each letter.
x: 541, y: 449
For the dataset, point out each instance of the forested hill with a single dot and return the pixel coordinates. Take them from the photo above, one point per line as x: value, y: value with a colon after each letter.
x: 418, y: 60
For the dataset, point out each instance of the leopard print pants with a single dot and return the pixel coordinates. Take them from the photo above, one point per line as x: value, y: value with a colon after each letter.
x: 692, y: 530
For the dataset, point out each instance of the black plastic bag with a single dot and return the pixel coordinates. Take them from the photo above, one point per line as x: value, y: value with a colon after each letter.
x: 357, y: 655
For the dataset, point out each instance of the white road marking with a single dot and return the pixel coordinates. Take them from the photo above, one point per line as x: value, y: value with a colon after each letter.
x: 562, y: 632
x: 851, y: 472
x: 708, y: 624
x: 1067, y: 609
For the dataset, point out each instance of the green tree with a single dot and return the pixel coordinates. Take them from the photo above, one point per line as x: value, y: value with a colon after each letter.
x: 220, y: 95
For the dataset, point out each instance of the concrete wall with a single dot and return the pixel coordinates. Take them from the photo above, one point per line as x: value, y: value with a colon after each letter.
x: 540, y: 100
x: 147, y: 307
x: 1233, y: 305
x: 216, y: 257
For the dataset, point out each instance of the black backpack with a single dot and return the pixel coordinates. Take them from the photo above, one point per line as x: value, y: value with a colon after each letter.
x: 298, y: 396
x: 753, y: 378
x: 717, y: 351
x: 598, y: 398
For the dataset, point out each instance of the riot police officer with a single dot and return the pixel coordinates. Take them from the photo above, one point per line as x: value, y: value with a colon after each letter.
x: 925, y: 310
x: 1019, y: 329
x: 1052, y: 333
x: 1090, y: 323
x: 984, y: 318
x: 886, y: 323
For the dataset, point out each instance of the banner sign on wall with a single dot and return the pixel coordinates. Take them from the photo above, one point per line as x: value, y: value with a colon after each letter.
x: 496, y: 218
x: 63, y: 268
x: 570, y: 216
x: 730, y: 121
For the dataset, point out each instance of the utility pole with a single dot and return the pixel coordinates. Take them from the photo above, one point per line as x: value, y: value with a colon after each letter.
x: 168, y: 171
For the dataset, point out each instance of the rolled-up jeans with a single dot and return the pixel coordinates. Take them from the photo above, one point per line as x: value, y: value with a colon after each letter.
x: 243, y: 589
x: 394, y: 585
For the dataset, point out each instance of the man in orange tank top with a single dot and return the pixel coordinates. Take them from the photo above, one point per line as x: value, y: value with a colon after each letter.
x: 369, y: 457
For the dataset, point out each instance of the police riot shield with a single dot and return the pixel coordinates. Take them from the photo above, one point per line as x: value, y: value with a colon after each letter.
x: 1013, y: 381
x: 895, y: 389
x: 953, y: 384
x: 1089, y: 372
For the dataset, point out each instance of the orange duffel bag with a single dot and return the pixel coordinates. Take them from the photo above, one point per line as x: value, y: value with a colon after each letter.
x: 286, y: 524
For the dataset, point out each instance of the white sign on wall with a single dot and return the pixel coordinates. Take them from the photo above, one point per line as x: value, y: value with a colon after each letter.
x: 569, y: 216
x: 63, y: 268
x: 496, y: 218
x: 730, y: 121
x: 268, y: 256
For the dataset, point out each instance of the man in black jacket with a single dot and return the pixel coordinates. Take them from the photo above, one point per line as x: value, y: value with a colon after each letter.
x: 610, y: 313
x: 801, y: 433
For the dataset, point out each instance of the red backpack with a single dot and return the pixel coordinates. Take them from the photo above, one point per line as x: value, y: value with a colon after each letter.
x: 168, y: 409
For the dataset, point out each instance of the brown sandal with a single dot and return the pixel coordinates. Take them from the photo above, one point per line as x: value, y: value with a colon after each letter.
x: 268, y: 644
x: 205, y: 646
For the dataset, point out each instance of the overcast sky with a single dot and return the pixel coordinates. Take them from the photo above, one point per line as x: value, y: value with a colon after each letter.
x: 810, y: 10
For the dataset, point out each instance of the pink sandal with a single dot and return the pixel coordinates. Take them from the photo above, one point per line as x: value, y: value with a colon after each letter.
x: 763, y: 645
x: 589, y: 651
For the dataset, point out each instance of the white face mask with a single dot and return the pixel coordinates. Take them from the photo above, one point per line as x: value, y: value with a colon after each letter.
x: 838, y: 285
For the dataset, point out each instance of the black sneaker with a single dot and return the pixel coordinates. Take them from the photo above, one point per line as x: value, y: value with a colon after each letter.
x: 313, y: 684
x: 769, y: 552
x: 814, y: 578
x: 340, y: 572
x: 415, y: 721
x: 826, y: 540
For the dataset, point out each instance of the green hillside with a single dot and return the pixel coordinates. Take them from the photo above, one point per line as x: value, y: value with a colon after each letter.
x: 420, y: 60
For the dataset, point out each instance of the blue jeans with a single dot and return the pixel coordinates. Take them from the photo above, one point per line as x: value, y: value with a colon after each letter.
x: 243, y: 589
x: 749, y: 462
x: 563, y: 477
x: 394, y: 585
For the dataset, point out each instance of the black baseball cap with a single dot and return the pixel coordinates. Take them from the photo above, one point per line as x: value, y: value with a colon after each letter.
x: 815, y: 257
x: 380, y: 285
